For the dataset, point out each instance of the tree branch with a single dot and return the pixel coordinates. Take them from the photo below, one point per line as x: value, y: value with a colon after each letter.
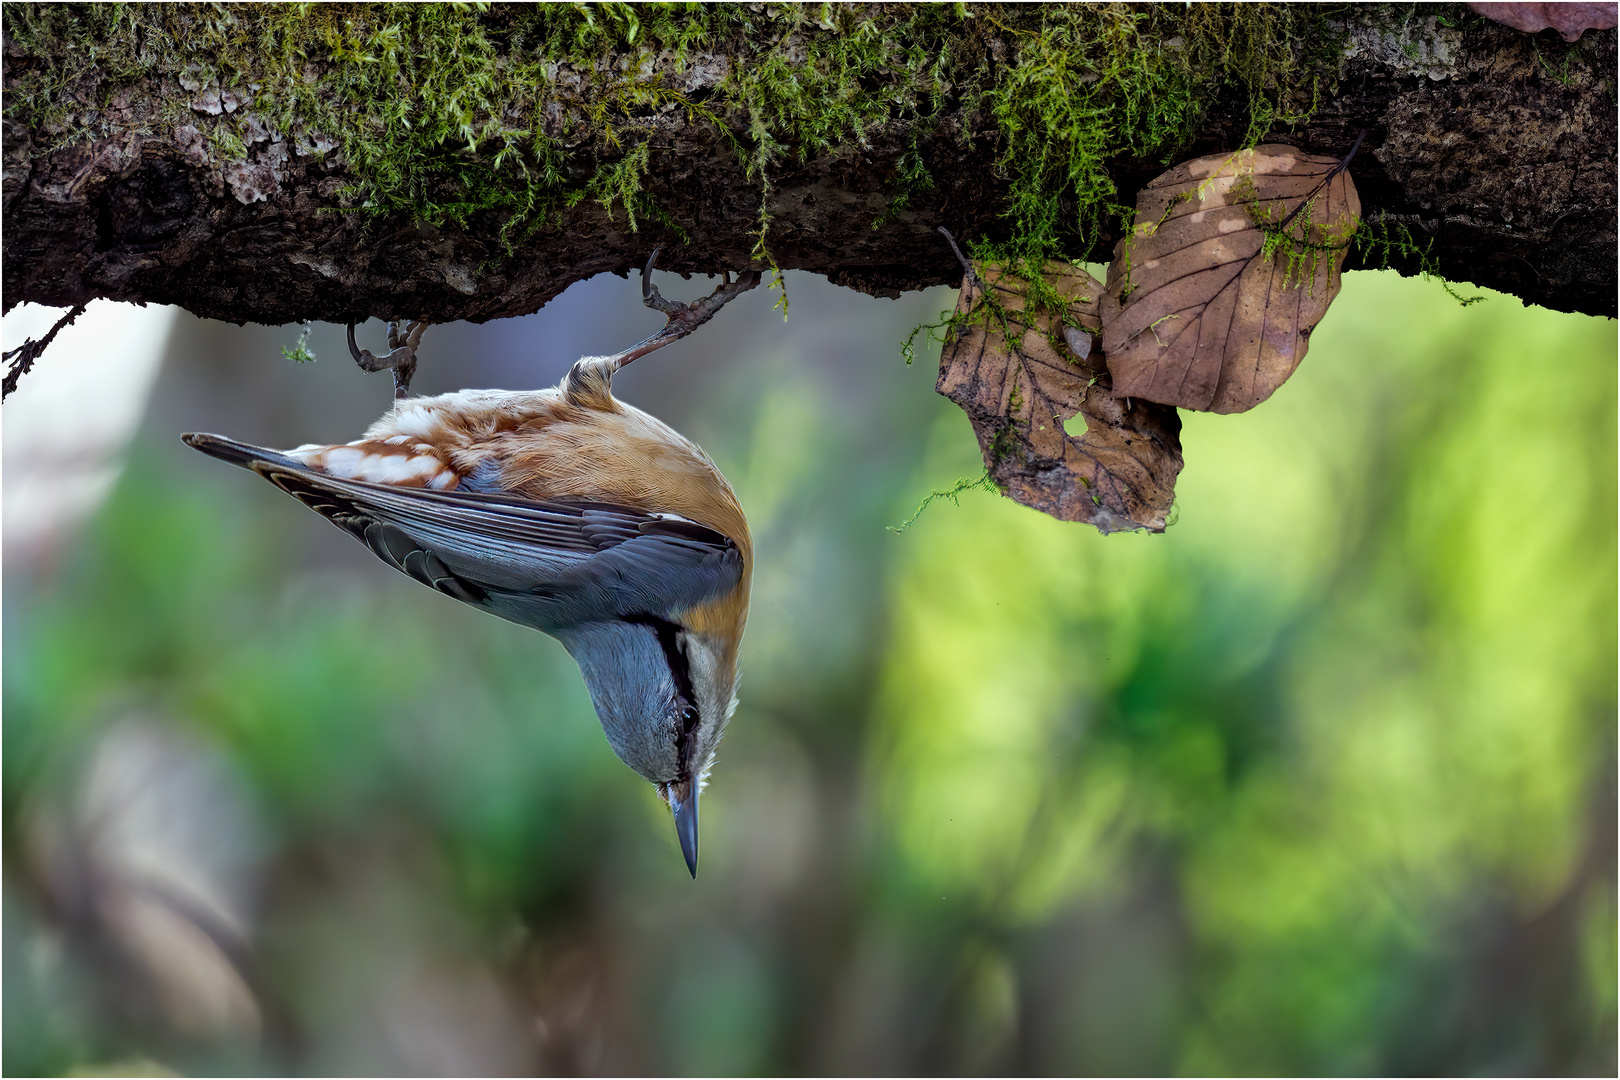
x: 261, y: 164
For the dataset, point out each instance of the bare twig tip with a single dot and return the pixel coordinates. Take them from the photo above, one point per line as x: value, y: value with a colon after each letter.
x: 30, y: 350
x: 967, y: 267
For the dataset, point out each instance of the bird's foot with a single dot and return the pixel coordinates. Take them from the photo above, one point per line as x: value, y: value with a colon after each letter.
x: 401, y: 359
x: 683, y: 318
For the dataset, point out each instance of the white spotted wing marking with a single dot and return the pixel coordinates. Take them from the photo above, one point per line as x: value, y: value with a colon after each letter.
x: 381, y: 463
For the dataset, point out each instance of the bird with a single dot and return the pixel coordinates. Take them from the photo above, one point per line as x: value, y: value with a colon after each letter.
x: 567, y: 511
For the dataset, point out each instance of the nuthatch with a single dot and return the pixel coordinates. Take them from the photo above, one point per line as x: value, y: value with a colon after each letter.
x: 570, y: 512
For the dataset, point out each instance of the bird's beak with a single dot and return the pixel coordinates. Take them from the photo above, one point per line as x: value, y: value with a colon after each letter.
x: 683, y: 799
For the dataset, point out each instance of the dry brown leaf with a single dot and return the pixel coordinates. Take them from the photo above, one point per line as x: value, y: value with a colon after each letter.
x: 1570, y: 20
x: 1198, y: 313
x: 1121, y: 473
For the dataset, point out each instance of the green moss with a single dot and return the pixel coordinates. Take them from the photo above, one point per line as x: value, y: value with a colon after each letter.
x: 1116, y: 81
x: 952, y: 495
x: 1383, y: 243
x: 226, y: 145
x: 441, y: 109
x: 299, y: 351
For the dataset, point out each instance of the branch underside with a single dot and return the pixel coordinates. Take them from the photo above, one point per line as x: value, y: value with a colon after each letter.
x: 1489, y: 149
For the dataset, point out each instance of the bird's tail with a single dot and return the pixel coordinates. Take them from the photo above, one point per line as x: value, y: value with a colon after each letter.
x: 240, y: 453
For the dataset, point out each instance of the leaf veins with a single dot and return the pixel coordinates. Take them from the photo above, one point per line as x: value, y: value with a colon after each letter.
x: 1015, y: 368
x: 1211, y: 301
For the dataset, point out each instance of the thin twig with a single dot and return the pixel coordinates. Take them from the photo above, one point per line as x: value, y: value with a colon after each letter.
x: 967, y: 267
x: 1326, y: 180
x: 29, y: 351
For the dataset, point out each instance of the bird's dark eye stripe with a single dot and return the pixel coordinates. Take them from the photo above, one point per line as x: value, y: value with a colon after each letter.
x: 670, y: 639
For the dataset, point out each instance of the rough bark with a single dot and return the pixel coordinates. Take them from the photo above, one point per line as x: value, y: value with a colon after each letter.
x: 1494, y: 148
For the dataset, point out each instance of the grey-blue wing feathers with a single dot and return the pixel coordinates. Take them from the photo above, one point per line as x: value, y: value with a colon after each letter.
x: 547, y: 565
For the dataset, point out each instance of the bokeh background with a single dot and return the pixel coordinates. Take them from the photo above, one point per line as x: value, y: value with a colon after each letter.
x: 1321, y: 781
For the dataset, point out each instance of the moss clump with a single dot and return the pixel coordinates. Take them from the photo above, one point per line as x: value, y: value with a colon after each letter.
x: 448, y: 111
x: 1115, y: 81
x: 299, y: 351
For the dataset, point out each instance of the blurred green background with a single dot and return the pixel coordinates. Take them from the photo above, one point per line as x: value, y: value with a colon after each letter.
x: 1321, y: 781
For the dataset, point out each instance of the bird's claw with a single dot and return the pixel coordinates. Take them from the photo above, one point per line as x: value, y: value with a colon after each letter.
x: 401, y: 360
x: 683, y: 318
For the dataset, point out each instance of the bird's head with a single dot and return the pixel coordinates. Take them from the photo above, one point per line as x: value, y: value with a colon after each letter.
x: 663, y: 693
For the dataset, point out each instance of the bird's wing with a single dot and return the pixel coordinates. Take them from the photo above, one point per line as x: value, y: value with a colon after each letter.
x: 544, y: 564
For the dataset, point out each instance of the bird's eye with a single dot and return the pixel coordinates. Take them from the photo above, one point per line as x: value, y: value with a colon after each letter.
x: 689, y: 717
